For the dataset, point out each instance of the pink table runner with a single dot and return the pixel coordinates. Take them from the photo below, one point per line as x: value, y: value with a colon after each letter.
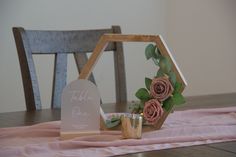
x: 182, y: 128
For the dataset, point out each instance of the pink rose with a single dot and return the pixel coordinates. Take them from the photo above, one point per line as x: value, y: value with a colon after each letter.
x: 161, y: 88
x: 152, y: 111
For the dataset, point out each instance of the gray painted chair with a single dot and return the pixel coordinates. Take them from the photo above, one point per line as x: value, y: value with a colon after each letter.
x: 60, y: 44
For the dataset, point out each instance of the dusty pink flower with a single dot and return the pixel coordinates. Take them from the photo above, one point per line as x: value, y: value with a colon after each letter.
x: 152, y: 111
x: 161, y: 88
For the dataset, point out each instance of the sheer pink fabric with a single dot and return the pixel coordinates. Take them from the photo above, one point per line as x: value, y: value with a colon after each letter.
x: 182, y: 128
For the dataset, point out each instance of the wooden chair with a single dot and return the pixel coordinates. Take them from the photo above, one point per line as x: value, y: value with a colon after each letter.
x: 60, y: 44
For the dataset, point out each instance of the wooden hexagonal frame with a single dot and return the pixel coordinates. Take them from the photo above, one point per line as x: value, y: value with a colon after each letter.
x: 157, y: 39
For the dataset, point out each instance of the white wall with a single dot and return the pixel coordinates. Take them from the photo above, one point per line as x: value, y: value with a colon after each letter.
x: 137, y: 16
x: 201, y: 34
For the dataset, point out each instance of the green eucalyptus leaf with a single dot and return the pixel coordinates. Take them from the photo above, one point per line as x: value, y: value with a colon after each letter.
x: 148, y: 82
x: 142, y: 102
x: 150, y: 51
x: 141, y: 105
x: 110, y: 124
x: 177, y: 87
x: 165, y: 65
x: 157, y: 56
x: 172, y: 78
x: 178, y: 99
x: 168, y: 104
x: 137, y: 107
x: 156, y: 61
x: 159, y: 73
x: 142, y: 94
x: 158, y: 52
x: 115, y: 118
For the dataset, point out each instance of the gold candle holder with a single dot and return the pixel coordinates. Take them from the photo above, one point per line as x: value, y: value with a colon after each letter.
x: 131, y: 126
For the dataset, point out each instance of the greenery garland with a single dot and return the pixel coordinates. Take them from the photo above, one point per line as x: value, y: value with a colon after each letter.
x: 146, y: 96
x: 165, y: 69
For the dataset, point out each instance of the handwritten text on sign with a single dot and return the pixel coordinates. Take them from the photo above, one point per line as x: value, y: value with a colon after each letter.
x: 80, y: 109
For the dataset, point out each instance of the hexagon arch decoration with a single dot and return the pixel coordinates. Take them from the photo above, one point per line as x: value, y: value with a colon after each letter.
x: 157, y: 39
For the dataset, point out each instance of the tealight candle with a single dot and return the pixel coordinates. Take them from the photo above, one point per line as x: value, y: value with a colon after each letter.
x: 131, y: 126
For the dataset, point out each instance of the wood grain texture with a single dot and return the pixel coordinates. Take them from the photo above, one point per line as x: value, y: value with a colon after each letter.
x: 59, y: 79
x: 193, y: 151
x: 28, y: 73
x: 97, y: 52
x: 226, y: 146
x: 59, y: 44
x: 22, y: 118
x: 225, y: 149
x: 119, y: 65
x: 81, y: 59
x: 65, y: 41
x: 106, y: 38
x: 130, y: 38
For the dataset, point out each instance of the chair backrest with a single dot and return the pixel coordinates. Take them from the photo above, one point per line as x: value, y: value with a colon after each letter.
x: 61, y: 43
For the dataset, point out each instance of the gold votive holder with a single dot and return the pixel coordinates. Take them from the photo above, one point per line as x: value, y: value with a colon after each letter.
x: 131, y: 126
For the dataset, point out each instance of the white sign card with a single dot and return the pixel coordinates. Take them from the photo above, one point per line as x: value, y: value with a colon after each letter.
x: 80, y: 109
